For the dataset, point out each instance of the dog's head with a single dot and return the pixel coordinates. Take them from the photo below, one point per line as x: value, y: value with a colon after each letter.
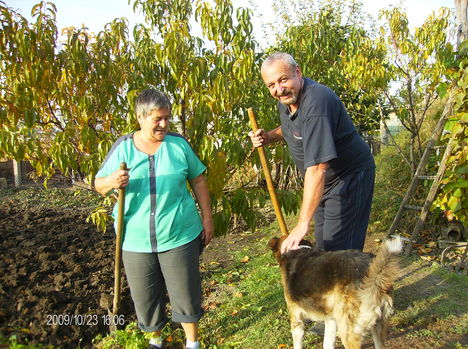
x: 275, y: 245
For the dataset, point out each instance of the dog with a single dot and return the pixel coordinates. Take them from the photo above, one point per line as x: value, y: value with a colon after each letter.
x: 350, y: 290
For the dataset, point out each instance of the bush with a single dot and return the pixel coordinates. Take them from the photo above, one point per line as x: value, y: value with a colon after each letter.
x: 393, y: 176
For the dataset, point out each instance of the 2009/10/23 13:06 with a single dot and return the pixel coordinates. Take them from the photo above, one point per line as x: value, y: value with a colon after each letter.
x: 83, y: 319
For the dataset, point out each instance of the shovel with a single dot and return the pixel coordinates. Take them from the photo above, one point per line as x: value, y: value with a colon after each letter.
x: 266, y: 172
x: 113, y: 316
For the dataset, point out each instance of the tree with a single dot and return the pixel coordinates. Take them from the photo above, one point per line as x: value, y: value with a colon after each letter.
x: 453, y: 196
x: 63, y: 104
x: 60, y: 104
x: 462, y: 20
x: 323, y: 39
x: 212, y: 83
x: 416, y: 68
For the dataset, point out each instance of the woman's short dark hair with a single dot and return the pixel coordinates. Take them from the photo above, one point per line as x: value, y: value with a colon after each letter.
x: 149, y: 100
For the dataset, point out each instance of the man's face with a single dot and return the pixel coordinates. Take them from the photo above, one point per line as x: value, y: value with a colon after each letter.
x: 283, y: 82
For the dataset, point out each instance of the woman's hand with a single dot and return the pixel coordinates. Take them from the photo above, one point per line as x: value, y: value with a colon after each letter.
x: 200, y: 188
x: 116, y: 180
x: 208, y: 230
x: 119, y: 179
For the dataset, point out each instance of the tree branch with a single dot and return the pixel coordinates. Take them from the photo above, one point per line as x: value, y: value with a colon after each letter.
x: 400, y: 151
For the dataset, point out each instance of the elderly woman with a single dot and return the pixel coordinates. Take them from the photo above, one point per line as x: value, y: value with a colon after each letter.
x: 163, y: 234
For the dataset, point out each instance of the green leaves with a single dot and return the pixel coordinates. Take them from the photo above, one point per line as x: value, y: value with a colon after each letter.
x: 63, y: 103
x: 453, y: 196
x: 30, y: 117
x: 100, y: 218
x: 442, y: 89
x: 58, y: 101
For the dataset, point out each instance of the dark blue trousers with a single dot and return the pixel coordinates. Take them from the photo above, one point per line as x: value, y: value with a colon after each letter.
x: 149, y: 275
x: 343, y: 214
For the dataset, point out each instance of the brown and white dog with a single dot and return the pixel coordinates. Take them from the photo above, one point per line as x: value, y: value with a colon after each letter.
x: 350, y: 290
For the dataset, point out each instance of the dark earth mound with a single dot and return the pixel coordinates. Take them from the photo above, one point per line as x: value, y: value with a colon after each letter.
x: 56, y: 276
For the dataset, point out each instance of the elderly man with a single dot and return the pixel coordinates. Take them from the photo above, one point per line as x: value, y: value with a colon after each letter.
x: 336, y: 163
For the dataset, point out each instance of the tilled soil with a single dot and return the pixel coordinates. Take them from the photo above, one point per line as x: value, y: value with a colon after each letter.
x: 56, y: 279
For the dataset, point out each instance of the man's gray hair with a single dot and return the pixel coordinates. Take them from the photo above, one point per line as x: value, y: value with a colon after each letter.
x: 280, y: 56
x: 149, y: 100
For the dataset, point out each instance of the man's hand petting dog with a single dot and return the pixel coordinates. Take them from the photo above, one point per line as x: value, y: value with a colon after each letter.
x: 294, y: 238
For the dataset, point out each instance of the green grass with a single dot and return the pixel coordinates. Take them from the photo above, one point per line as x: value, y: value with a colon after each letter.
x: 12, y: 343
x: 431, y: 303
x: 392, y: 178
x: 252, y: 304
x: 131, y: 337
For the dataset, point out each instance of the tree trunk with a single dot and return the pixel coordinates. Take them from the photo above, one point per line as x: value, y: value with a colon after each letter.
x: 278, y: 171
x: 462, y: 20
x: 412, y: 158
x: 183, y: 119
x: 17, y: 173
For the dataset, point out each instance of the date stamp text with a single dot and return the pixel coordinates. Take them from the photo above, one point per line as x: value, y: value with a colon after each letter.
x: 83, y: 319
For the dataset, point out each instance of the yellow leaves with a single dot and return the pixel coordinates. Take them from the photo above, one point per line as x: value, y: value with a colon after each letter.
x: 424, y: 250
x: 216, y: 172
x: 427, y: 248
x: 429, y: 258
x: 68, y: 31
x: 245, y: 259
x: 100, y: 218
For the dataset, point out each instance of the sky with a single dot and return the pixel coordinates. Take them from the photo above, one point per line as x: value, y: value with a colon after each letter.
x: 94, y: 14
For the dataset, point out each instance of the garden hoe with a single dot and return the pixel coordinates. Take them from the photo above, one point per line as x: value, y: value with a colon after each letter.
x: 266, y: 172
x: 113, y: 316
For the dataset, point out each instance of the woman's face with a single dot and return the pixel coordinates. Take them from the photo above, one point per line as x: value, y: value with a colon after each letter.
x: 156, y: 124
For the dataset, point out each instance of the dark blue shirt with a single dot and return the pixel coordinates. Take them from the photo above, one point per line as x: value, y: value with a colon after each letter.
x: 321, y: 131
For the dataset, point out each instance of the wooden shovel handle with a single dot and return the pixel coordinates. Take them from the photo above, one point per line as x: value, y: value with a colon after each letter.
x: 266, y: 172
x: 118, y: 245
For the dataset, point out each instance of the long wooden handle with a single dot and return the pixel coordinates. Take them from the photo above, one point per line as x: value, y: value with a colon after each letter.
x: 118, y: 245
x: 266, y: 172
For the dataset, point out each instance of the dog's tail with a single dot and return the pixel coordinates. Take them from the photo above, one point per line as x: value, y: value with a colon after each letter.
x: 375, y: 294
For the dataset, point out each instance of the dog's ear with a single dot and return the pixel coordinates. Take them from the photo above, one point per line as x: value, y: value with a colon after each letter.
x: 273, y: 244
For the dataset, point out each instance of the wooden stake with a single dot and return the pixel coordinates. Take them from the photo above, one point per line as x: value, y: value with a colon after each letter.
x: 266, y: 172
